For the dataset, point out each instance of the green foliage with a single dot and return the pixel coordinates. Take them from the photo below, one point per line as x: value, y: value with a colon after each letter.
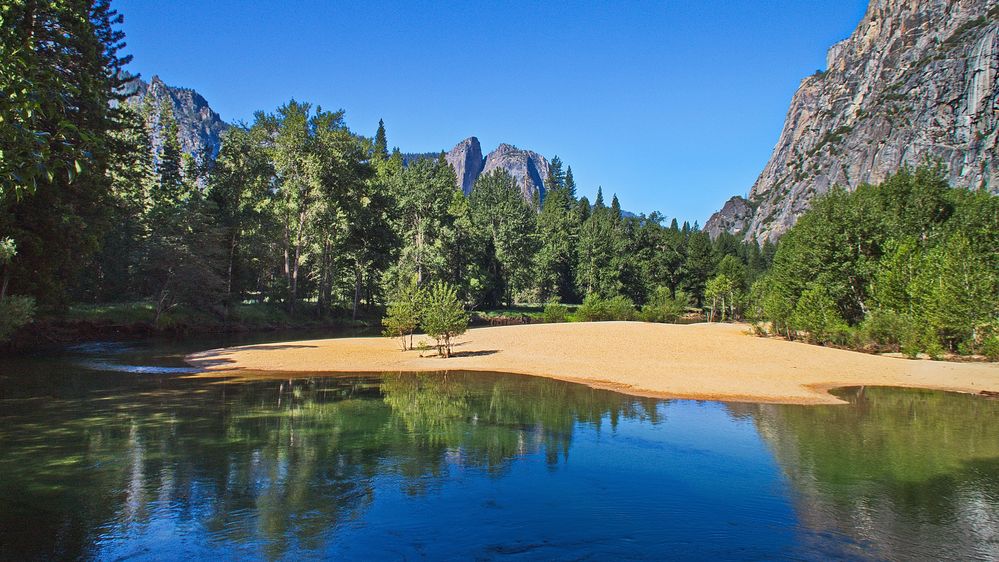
x: 599, y: 309
x: 816, y: 315
x: 720, y: 297
x: 886, y: 328
x: 403, y: 314
x: 911, y: 262
x: 15, y: 311
x: 918, y: 338
x: 505, y: 221
x: 555, y: 312
x: 59, y: 72
x: 443, y: 317
x: 59, y: 69
x: 424, y: 195
x: 664, y: 307
x: 558, y: 228
x: 990, y: 347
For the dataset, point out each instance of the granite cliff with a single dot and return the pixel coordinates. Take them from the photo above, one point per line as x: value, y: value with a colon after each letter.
x: 466, y: 159
x: 917, y: 80
x: 527, y: 168
x: 199, y: 127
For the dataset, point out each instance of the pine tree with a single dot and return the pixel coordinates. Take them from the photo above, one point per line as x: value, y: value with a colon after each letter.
x: 507, y: 223
x: 556, y: 256
x: 61, y: 69
x: 555, y: 179
x: 570, y: 184
x: 381, y: 142
x: 170, y: 164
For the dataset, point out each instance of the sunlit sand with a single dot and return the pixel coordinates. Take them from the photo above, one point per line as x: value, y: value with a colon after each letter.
x: 703, y: 361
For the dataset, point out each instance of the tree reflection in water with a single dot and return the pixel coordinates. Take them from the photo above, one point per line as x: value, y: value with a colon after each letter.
x: 273, y: 464
x: 912, y: 474
x: 109, y: 464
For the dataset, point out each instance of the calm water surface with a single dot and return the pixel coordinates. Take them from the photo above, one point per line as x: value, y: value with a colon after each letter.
x: 113, y: 451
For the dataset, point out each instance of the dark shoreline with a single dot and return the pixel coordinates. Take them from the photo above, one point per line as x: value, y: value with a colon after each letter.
x: 48, y: 333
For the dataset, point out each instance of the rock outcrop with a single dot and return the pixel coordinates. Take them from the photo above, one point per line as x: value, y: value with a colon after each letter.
x: 466, y: 159
x: 199, y: 127
x: 734, y: 217
x: 527, y: 168
x: 917, y: 79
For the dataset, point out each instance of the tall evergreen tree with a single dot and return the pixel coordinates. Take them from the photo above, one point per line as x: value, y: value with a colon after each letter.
x: 61, y: 69
x: 507, y: 223
x: 381, y: 142
x: 570, y: 183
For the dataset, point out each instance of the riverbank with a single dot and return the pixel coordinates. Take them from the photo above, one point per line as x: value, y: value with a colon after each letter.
x: 135, y: 321
x: 700, y: 361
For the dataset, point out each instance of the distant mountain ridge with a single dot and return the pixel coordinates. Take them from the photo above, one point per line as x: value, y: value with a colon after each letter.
x: 917, y: 79
x: 200, y: 129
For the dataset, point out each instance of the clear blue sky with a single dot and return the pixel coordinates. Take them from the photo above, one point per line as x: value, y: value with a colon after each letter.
x: 675, y: 106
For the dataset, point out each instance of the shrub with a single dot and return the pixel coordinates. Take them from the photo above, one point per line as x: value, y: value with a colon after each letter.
x: 885, y: 328
x: 918, y: 339
x: 663, y: 307
x: 598, y: 309
x: 443, y: 316
x: 15, y: 311
x: 817, y: 316
x: 990, y: 347
x: 403, y: 315
x: 555, y: 312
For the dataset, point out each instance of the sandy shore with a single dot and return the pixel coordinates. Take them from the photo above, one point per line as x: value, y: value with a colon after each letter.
x: 709, y: 361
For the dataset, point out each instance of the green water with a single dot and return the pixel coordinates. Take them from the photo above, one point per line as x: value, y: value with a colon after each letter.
x: 110, y: 452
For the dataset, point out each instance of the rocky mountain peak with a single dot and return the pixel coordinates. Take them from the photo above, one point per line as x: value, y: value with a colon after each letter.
x: 916, y: 80
x: 527, y: 168
x: 467, y: 161
x: 199, y: 127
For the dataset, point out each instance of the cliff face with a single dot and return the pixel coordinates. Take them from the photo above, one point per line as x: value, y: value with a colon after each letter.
x: 733, y: 217
x: 199, y: 127
x: 466, y: 159
x: 528, y: 168
x: 917, y: 79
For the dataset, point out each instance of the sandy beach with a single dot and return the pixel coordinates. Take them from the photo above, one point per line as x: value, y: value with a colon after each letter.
x: 702, y: 361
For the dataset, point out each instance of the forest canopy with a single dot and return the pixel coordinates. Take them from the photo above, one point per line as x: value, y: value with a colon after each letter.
x: 297, y: 212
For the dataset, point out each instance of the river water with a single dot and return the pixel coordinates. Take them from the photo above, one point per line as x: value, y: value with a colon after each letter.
x: 116, y: 451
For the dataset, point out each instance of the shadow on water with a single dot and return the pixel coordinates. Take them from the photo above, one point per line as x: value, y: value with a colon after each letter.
x: 106, y: 452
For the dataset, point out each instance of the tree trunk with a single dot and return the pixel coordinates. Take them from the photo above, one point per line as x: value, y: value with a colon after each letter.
x: 357, y: 288
x: 298, y: 257
x: 228, y: 282
x: 287, y: 265
x: 6, y: 281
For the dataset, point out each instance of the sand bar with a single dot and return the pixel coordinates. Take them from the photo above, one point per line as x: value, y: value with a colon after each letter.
x: 703, y: 361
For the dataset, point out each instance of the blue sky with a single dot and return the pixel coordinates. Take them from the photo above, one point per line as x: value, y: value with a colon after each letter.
x: 675, y: 106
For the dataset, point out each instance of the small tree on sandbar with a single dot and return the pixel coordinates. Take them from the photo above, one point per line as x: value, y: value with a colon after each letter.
x: 403, y: 315
x: 443, y: 316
